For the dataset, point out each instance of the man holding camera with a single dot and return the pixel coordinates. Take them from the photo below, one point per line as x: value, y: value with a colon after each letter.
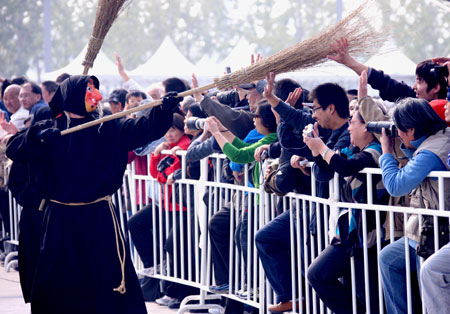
x: 272, y: 242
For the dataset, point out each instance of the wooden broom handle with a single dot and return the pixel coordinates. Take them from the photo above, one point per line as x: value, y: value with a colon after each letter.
x: 135, y: 109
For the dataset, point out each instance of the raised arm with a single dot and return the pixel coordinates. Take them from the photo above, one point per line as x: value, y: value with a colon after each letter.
x: 342, y: 56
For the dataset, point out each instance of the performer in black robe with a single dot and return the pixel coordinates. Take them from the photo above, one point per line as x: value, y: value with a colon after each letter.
x: 84, y: 265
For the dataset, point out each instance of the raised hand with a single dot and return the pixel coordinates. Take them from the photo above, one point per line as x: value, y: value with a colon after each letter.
x: 341, y: 54
x: 197, y: 95
x: 294, y: 96
x: 362, y: 88
x: 121, y: 68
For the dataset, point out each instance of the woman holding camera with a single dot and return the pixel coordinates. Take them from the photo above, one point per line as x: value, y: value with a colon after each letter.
x: 425, y: 141
x: 334, y: 262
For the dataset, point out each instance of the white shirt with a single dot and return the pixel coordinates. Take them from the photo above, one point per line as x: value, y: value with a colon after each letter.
x: 19, y: 117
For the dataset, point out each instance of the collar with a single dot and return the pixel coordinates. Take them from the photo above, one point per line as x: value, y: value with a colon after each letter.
x: 409, y: 152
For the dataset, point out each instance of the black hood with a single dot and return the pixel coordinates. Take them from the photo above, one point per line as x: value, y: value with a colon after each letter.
x: 70, y: 95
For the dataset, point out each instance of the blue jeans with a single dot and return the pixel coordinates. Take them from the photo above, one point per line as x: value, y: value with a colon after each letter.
x: 393, y: 273
x: 273, y: 245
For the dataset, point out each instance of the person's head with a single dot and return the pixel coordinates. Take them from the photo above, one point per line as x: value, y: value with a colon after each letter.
x: 352, y: 105
x: 11, y: 98
x: 173, y: 84
x: 134, y: 98
x: 30, y: 94
x: 155, y: 90
x: 414, y: 118
x: 19, y: 80
x: 255, y: 95
x: 283, y: 87
x: 431, y: 83
x: 117, y: 100
x: 264, y: 119
x: 193, y: 110
x: 176, y: 131
x: 330, y: 105
x: 62, y: 77
x: 78, y: 95
x: 352, y: 94
x: 48, y: 90
x: 357, y: 128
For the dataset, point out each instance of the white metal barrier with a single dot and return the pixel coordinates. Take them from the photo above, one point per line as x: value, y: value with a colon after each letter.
x: 191, y: 264
x: 251, y: 274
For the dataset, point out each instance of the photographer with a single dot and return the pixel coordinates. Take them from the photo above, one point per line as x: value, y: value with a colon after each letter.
x: 425, y: 141
x: 334, y: 262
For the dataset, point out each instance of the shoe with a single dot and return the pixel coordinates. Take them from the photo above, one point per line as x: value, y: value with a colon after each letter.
x: 215, y: 311
x: 166, y: 300
x: 282, y: 307
x: 244, y: 294
x: 175, y: 305
x: 223, y: 288
x: 150, y: 271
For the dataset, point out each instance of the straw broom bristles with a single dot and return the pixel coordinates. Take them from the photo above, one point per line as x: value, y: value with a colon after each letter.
x: 106, y: 14
x: 362, y: 40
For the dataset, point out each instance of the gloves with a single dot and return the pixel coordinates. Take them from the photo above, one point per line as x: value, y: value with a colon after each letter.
x: 170, y: 101
x: 48, y: 135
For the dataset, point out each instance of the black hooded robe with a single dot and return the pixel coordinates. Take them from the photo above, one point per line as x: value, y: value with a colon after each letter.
x: 78, y: 264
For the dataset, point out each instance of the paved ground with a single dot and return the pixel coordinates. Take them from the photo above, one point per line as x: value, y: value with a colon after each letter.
x: 11, y: 301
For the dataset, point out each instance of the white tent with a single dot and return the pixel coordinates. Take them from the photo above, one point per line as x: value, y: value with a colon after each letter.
x: 103, y: 66
x: 208, y: 67
x: 394, y: 62
x: 239, y: 57
x: 166, y: 61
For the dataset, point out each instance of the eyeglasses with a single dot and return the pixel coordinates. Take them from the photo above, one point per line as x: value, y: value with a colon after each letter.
x: 350, y: 121
x: 316, y: 108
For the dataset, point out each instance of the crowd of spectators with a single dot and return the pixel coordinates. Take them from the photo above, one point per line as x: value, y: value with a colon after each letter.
x: 292, y: 128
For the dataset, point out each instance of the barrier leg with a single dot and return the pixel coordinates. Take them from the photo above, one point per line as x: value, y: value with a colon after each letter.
x: 184, y: 307
x: 10, y: 261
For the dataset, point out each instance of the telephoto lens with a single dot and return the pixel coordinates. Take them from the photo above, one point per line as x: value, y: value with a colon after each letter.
x: 194, y: 123
x: 378, y: 126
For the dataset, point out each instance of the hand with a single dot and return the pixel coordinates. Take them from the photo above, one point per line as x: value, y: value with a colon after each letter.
x: 387, y: 143
x: 219, y: 124
x: 170, y: 101
x: 362, y: 88
x: 161, y: 147
x: 9, y: 127
x: 268, y: 90
x: 170, y: 179
x: 259, y: 151
x: 48, y: 135
x: 212, y: 125
x: 258, y: 58
x: 341, y: 54
x: 294, y: 96
x: 295, y: 163
x: 197, y: 95
x: 174, y: 150
x: 121, y: 68
x: 315, y: 144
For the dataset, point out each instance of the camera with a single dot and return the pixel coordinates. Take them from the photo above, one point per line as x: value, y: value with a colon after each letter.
x: 264, y: 155
x: 378, y: 126
x: 308, y: 131
x: 194, y: 123
x: 165, y: 163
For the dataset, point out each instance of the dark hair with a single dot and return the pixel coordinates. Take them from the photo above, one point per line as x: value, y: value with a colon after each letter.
x: 331, y: 93
x: 62, y: 77
x: 5, y: 84
x: 20, y: 80
x: 426, y: 70
x: 283, y: 87
x: 35, y: 88
x: 174, y: 84
x: 196, y: 110
x: 178, y: 121
x: 50, y: 86
x: 264, y: 110
x: 135, y: 93
x: 353, y: 92
x: 417, y: 114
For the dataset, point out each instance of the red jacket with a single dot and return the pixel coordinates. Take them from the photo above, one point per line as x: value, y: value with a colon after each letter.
x: 140, y: 169
x: 161, y: 177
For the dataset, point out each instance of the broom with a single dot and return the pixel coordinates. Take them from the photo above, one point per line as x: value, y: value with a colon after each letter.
x: 107, y: 12
x: 362, y: 40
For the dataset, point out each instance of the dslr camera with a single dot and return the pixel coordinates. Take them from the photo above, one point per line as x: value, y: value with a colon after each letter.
x: 194, y: 123
x: 378, y: 126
